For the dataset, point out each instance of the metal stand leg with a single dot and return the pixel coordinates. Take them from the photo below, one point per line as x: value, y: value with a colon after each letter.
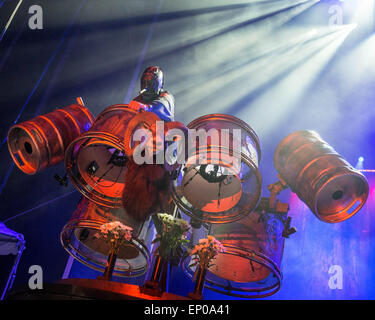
x: 12, y: 274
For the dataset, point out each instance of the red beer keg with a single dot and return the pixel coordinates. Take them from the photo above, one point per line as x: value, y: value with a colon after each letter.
x: 41, y: 142
x: 333, y: 190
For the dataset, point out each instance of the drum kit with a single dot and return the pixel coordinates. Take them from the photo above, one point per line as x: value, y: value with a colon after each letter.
x: 216, y: 199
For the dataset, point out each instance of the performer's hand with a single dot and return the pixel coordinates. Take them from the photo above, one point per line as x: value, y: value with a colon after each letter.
x: 137, y: 106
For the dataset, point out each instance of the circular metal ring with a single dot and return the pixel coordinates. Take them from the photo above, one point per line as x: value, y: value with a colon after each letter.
x: 76, y: 249
x: 237, y: 289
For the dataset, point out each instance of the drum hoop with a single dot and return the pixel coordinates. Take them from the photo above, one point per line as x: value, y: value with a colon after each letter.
x: 235, y: 154
x: 93, y: 224
x: 229, y: 118
x: 218, y: 219
x: 76, y: 177
x: 116, y: 107
x: 86, y: 111
x: 264, y: 260
x: 108, y: 137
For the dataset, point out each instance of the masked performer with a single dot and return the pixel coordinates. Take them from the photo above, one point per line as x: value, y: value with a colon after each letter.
x: 152, y: 97
x: 147, y: 186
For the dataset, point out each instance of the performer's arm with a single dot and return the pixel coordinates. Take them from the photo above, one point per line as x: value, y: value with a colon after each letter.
x: 163, y: 106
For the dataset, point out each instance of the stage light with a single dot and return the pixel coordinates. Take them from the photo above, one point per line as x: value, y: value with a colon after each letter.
x: 228, y: 52
x: 360, y: 12
x: 359, y: 165
x: 297, y: 67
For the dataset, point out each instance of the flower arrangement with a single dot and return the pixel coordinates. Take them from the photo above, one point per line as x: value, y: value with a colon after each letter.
x: 172, y: 235
x: 202, y: 254
x: 115, y: 233
x: 205, y: 251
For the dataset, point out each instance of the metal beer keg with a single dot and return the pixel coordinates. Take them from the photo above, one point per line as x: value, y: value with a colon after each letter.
x: 333, y: 190
x: 41, y: 142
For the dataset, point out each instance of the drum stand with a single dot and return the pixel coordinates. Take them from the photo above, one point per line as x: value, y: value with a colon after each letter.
x: 12, y: 274
x: 267, y: 205
x: 273, y: 205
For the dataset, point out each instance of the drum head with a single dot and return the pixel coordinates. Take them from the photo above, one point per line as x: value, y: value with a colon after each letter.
x: 96, y: 161
x: 92, y: 241
x: 82, y: 241
x: 249, y: 266
x: 102, y: 167
x: 211, y: 188
x: 81, y: 237
x: 220, y: 181
x: 215, y: 194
